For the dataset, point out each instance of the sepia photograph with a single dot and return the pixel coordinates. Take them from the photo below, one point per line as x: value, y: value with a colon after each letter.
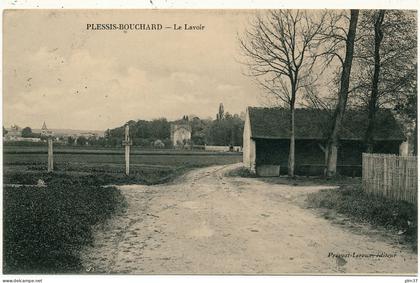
x: 210, y: 142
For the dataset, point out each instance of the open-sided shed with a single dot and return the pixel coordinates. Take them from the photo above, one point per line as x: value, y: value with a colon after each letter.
x: 267, y: 138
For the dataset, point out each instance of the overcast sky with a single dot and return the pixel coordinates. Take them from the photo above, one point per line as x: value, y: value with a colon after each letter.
x: 57, y: 71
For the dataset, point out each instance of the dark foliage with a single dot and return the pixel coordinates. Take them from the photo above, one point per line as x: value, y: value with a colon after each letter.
x: 225, y: 131
x: 44, y: 228
x: 142, y: 132
x: 27, y: 132
x: 104, y: 175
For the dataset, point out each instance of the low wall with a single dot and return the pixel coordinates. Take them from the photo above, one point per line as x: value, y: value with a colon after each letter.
x: 221, y: 148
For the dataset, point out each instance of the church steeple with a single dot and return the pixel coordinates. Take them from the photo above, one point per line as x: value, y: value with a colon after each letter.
x: 45, y: 131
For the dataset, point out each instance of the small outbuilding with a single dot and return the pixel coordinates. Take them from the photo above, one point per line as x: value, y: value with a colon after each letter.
x: 267, y: 137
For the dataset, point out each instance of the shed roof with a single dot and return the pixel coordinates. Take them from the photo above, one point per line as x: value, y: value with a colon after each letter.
x: 274, y: 123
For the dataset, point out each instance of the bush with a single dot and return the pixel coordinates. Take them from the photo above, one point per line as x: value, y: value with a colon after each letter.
x: 44, y: 228
x: 353, y: 202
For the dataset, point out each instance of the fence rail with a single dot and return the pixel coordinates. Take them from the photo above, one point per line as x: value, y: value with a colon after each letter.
x: 391, y: 176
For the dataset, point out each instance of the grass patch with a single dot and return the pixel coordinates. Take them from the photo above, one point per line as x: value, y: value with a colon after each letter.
x: 353, y: 202
x: 145, y: 176
x: 117, y: 159
x: 312, y: 180
x: 240, y: 172
x: 44, y: 228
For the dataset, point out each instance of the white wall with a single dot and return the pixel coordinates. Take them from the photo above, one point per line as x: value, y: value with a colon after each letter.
x: 248, y: 145
x: 221, y: 148
x: 180, y: 134
x: 404, y: 149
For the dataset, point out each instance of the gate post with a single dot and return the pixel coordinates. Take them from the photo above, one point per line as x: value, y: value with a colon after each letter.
x: 127, y: 143
x: 50, y: 155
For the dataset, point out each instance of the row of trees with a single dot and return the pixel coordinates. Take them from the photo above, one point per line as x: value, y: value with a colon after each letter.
x: 371, y: 56
x: 143, y: 133
x: 225, y: 130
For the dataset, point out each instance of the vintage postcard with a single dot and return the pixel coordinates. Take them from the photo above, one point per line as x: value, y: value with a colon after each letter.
x: 210, y: 142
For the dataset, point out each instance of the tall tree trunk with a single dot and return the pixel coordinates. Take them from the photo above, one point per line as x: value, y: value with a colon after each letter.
x: 291, y: 163
x: 342, y: 98
x: 415, y: 138
x: 373, y: 100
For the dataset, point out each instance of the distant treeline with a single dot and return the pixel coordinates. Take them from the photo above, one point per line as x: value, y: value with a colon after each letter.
x: 226, y: 130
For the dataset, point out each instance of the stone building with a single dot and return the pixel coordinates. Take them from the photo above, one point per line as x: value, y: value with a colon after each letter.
x: 181, y: 134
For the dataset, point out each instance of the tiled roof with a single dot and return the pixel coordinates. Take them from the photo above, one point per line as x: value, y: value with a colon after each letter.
x: 274, y: 123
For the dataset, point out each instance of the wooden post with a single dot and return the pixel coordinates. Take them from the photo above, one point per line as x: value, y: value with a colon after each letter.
x: 127, y: 144
x: 50, y: 155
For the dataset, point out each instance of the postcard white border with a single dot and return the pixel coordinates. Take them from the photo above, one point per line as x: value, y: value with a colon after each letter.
x: 197, y: 4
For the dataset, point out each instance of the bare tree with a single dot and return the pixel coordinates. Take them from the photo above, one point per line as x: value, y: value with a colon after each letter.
x: 385, y: 59
x: 373, y: 104
x: 332, y: 52
x: 279, y: 48
x: 406, y: 108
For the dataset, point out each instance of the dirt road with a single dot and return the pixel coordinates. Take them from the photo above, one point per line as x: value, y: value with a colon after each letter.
x: 206, y: 223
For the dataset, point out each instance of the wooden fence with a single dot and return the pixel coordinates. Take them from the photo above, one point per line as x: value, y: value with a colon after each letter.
x: 390, y: 176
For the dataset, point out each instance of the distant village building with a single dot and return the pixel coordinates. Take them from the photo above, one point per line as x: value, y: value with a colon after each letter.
x: 181, y: 133
x: 267, y: 134
x: 45, y: 132
x: 14, y: 133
